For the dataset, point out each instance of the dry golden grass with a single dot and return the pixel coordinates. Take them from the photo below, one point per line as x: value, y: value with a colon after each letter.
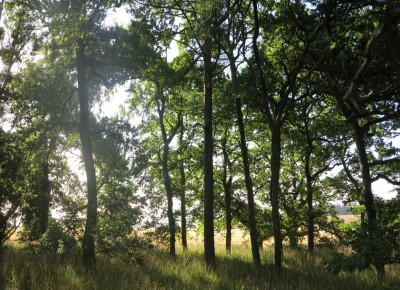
x: 350, y: 218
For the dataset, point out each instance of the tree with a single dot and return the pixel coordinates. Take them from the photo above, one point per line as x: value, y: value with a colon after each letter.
x: 364, y: 95
x: 234, y: 31
x: 73, y: 33
x: 278, y: 95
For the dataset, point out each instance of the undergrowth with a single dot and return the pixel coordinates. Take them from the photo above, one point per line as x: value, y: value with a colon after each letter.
x: 155, y: 269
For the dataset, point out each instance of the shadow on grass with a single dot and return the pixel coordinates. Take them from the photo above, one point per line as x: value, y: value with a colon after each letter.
x: 189, y: 272
x: 155, y: 269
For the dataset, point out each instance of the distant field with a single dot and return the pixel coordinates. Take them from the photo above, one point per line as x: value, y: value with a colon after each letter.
x: 349, y: 218
x: 242, y: 238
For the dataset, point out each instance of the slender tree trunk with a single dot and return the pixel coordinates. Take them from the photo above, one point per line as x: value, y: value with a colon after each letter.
x: 209, y: 247
x: 368, y: 197
x: 311, y: 222
x: 228, y: 214
x: 183, y: 207
x: 227, y: 184
x: 165, y: 171
x: 45, y: 197
x: 274, y: 122
x: 275, y: 192
x: 310, y: 225
x: 365, y: 173
x: 247, y: 176
x: 249, y: 186
x: 168, y: 190
x: 91, y: 216
x: 182, y: 181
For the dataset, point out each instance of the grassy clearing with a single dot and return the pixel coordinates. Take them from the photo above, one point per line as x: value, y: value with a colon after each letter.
x: 156, y: 270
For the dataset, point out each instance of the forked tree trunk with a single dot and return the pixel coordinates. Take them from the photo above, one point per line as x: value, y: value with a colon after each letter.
x: 165, y: 170
x: 89, y: 258
x: 274, y: 120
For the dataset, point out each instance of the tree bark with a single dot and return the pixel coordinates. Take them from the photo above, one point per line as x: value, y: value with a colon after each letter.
x: 273, y: 111
x: 168, y: 190
x: 365, y: 173
x: 45, y: 197
x: 89, y: 259
x: 368, y: 197
x: 227, y: 185
x: 309, y: 198
x: 275, y: 192
x: 246, y: 167
x: 209, y: 247
x: 228, y: 214
x: 311, y: 222
x: 183, y: 192
x: 165, y: 171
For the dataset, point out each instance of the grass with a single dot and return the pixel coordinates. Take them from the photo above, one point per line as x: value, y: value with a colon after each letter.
x: 154, y: 269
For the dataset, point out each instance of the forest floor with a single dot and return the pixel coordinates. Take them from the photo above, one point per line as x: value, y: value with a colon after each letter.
x: 22, y: 269
x: 154, y: 269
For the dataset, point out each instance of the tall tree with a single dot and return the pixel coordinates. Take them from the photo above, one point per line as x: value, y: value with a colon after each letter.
x: 209, y: 248
x: 279, y: 94
x: 234, y: 42
x: 87, y: 152
x: 352, y: 68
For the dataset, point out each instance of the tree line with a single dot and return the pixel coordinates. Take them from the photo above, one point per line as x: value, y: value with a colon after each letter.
x: 270, y: 112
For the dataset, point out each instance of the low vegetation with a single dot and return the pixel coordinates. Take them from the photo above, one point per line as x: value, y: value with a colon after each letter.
x: 155, y: 269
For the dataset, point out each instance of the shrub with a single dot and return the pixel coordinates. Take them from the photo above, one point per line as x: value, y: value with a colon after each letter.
x: 56, y: 240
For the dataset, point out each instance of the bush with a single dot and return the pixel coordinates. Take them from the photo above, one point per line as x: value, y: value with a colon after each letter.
x: 56, y: 240
x: 372, y: 243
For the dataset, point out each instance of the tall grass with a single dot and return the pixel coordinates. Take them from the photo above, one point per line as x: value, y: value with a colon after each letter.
x: 154, y: 269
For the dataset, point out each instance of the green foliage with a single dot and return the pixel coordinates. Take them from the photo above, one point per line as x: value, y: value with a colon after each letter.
x: 340, y: 262
x: 56, y: 240
x: 371, y: 244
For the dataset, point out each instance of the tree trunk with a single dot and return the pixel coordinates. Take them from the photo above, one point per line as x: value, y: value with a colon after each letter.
x: 246, y: 166
x: 249, y: 184
x: 183, y: 192
x: 45, y: 197
x: 227, y: 185
x: 183, y: 208
x: 228, y: 215
x: 168, y: 190
x: 275, y: 192
x: 209, y: 247
x: 380, y: 271
x: 310, y: 226
x: 310, y: 213
x: 368, y: 197
x: 365, y: 173
x: 91, y: 216
x: 165, y: 171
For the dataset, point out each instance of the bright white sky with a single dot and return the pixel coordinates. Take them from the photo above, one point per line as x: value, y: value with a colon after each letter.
x: 120, y: 96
